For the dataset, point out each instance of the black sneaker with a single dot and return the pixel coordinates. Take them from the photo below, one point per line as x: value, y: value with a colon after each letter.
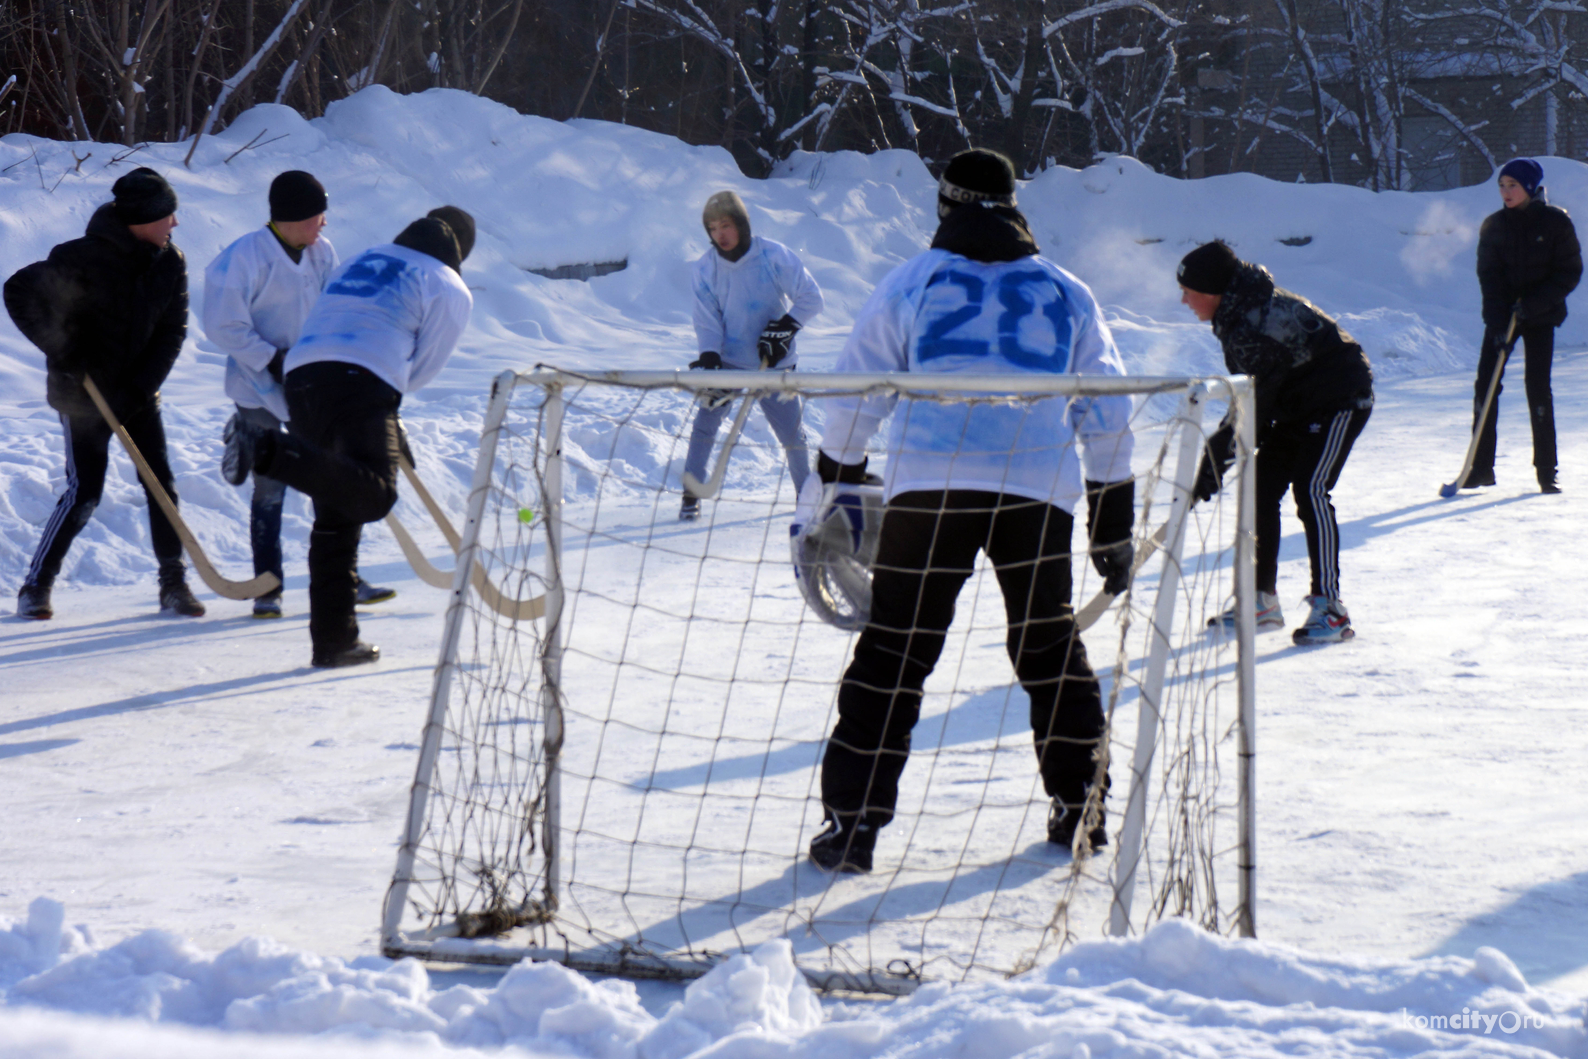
x: 689, y: 510
x: 841, y: 849
x: 1476, y: 479
x: 237, y: 458
x: 365, y: 593
x: 179, y: 599
x: 354, y: 654
x: 1546, y: 482
x: 1064, y: 819
x: 33, y: 602
x: 268, y: 606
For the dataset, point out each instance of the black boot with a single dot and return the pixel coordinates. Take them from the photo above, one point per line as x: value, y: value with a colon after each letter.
x: 354, y: 654
x: 33, y: 602
x: 365, y: 593
x: 1546, y: 482
x: 1478, y: 478
x: 844, y: 845
x: 1064, y: 819
x: 174, y: 594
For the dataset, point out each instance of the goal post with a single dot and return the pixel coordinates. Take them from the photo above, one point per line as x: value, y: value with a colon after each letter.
x: 627, y: 782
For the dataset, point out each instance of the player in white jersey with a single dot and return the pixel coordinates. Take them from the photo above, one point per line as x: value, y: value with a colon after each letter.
x: 257, y: 293
x: 751, y: 295
x: 963, y: 478
x: 385, y: 326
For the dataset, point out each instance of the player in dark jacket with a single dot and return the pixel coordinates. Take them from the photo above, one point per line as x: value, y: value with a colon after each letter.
x: 1314, y: 393
x: 112, y: 306
x: 1528, y: 261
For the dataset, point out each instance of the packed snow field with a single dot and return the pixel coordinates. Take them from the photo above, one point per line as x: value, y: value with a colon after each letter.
x: 200, y: 828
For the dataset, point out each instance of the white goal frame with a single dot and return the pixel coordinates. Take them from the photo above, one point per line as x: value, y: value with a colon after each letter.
x: 447, y: 943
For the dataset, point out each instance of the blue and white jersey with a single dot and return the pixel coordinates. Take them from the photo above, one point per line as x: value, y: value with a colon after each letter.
x: 947, y: 314
x: 395, y: 311
x: 735, y: 300
x: 255, y: 301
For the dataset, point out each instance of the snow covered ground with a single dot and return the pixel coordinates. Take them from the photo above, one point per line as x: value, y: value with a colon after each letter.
x: 180, y: 787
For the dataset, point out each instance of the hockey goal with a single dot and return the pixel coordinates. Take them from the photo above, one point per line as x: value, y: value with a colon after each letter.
x: 627, y: 780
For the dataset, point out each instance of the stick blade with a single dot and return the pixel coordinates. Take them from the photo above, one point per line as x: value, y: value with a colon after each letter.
x: 1449, y: 490
x: 697, y: 488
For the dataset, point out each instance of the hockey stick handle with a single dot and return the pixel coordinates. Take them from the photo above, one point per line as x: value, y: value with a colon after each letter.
x: 443, y: 523
x: 1087, y: 616
x: 708, y: 489
x: 253, y: 588
x: 1511, y: 335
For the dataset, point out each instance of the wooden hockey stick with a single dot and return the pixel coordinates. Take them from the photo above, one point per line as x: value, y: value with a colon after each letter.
x: 253, y: 588
x: 1511, y: 335
x: 708, y: 489
x: 493, y: 597
x: 1087, y: 616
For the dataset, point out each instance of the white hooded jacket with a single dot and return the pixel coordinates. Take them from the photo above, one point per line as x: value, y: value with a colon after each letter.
x: 735, y: 300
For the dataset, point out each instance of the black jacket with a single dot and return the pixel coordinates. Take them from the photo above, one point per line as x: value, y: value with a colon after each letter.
x: 1302, y: 364
x: 110, y: 305
x: 1528, y: 257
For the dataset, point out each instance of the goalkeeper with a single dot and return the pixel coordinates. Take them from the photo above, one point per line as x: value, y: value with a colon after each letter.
x: 751, y: 296
x: 960, y: 479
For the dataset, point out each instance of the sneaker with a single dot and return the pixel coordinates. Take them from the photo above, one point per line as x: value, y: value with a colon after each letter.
x: 1546, y: 482
x: 1268, y: 614
x: 1476, y: 479
x: 268, y: 606
x: 1064, y: 819
x: 237, y: 458
x: 1329, y: 622
x: 689, y: 510
x: 33, y: 602
x: 354, y: 654
x: 841, y: 849
x: 179, y: 599
x: 365, y: 593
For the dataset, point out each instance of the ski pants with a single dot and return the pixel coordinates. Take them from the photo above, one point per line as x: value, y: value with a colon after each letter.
x: 782, y: 415
x: 264, y: 521
x: 87, y: 460
x: 342, y: 452
x: 1538, y: 350
x: 1307, y: 456
x: 927, y: 551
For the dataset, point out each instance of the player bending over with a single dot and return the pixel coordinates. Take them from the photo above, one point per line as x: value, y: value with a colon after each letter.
x: 751, y: 296
x: 960, y: 479
x: 257, y: 293
x: 1314, y: 396
x: 385, y: 326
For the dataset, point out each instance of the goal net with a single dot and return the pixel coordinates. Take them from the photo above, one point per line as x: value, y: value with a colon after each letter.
x: 620, y: 767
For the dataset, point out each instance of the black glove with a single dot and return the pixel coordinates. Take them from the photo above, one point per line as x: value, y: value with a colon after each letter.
x: 274, y: 367
x: 1216, y: 459
x: 830, y: 470
x: 775, y: 338
x: 708, y: 361
x: 1111, y: 513
x: 1209, y: 480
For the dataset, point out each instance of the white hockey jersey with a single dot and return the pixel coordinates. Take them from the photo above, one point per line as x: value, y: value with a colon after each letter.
x: 946, y: 314
x: 255, y: 301
x: 735, y: 300
x: 395, y: 311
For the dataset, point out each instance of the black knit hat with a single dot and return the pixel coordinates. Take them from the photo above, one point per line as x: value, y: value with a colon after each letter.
x: 1209, y: 268
x: 296, y: 196
x: 462, y: 224
x: 430, y: 236
x: 143, y: 196
x: 977, y: 175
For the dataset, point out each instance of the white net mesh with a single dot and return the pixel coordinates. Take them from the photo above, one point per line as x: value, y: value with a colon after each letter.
x: 630, y: 783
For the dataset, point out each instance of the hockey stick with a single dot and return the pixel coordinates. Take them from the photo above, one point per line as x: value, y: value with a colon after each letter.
x: 253, y: 588
x: 708, y: 489
x: 1511, y: 335
x: 1087, y: 616
x: 493, y: 597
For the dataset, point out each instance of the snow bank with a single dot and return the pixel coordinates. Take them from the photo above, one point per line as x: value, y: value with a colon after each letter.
x: 1178, y: 990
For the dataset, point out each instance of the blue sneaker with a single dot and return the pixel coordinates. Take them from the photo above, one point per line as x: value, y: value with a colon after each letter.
x: 1268, y: 615
x: 1329, y: 622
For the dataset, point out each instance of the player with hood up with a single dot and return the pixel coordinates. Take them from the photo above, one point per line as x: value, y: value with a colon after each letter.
x: 966, y: 478
x: 257, y: 293
x: 751, y: 295
x: 385, y: 326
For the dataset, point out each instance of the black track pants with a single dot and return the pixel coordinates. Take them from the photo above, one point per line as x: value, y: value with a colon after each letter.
x: 1307, y: 456
x: 1538, y: 352
x: 342, y: 453
x: 88, y: 442
x: 927, y: 551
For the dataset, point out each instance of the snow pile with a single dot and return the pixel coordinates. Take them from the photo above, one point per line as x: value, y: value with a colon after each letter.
x: 1175, y: 991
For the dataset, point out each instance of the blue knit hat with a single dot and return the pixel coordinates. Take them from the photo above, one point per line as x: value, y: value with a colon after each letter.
x: 1524, y: 171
